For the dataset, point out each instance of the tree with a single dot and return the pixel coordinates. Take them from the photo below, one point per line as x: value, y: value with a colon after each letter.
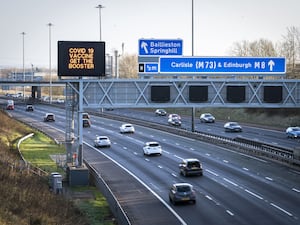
x: 128, y: 65
x: 290, y: 46
x: 260, y: 48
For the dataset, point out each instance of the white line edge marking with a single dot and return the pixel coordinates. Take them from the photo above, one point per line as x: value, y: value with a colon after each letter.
x: 139, y: 180
x: 144, y: 184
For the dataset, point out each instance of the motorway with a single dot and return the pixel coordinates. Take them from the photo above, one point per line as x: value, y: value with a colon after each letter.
x: 235, y: 188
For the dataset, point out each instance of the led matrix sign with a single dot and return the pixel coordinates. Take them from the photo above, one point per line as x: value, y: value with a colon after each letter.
x: 81, y: 58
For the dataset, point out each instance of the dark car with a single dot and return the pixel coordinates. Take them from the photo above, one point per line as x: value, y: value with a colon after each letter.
x: 85, y: 115
x: 232, y: 127
x: 160, y: 112
x: 86, y: 123
x: 29, y: 107
x: 190, y: 167
x: 182, y: 192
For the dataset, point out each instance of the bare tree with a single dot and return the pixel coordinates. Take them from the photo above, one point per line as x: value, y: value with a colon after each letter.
x: 260, y: 48
x: 290, y: 46
x: 128, y: 66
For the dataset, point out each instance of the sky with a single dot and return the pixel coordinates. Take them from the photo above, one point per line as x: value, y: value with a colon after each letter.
x: 217, y: 25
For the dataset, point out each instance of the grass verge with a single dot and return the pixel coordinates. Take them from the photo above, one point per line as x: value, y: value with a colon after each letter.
x: 37, y: 151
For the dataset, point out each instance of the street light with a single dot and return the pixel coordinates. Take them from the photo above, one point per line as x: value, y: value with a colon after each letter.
x: 23, y: 41
x: 50, y: 72
x: 100, y: 7
x: 192, y: 27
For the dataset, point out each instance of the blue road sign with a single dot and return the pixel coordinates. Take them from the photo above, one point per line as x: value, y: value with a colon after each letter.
x: 151, y: 67
x: 158, y: 47
x: 223, y: 65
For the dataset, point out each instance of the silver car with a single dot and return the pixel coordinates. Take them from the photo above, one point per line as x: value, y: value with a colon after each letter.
x: 232, y: 127
x: 151, y: 148
x: 127, y: 128
x: 207, y: 118
x: 102, y: 141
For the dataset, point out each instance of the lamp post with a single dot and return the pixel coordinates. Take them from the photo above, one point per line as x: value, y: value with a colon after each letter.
x: 50, y: 72
x: 23, y: 52
x: 192, y: 27
x: 100, y: 7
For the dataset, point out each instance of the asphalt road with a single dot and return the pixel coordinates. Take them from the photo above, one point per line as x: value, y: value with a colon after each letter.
x: 235, y: 188
x: 274, y: 137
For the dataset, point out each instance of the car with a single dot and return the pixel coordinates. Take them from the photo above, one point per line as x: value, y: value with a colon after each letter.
x: 174, y: 115
x: 102, y: 141
x: 190, y: 166
x: 127, y: 128
x: 85, y: 115
x: 29, y: 107
x: 49, y: 117
x: 152, y: 148
x: 207, y: 118
x: 175, y: 121
x: 10, y: 105
x: 232, y: 127
x: 293, y: 132
x: 160, y: 112
x: 86, y: 123
x: 182, y: 192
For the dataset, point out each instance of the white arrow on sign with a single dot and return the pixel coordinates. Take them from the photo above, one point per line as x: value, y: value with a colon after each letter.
x: 144, y: 46
x: 271, y: 64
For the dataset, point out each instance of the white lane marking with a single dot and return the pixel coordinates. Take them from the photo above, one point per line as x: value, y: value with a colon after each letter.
x: 281, y: 209
x: 166, y: 151
x: 229, y: 212
x: 231, y: 182
x: 177, y: 144
x: 174, y: 175
x: 144, y: 184
x: 159, y: 166
x: 192, y: 149
x: 125, y: 148
x: 135, y: 153
x: 207, y: 154
x: 225, y: 161
x: 208, y: 197
x: 249, y: 156
x: 178, y: 157
x: 297, y: 190
x: 269, y: 178
x: 255, y: 195
x: 148, y: 160
x: 212, y: 172
x: 244, y: 168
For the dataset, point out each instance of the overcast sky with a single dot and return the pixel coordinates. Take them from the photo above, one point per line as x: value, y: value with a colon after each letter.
x: 217, y: 25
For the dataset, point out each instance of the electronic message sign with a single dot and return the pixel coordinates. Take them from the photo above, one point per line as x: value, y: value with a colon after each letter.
x: 81, y: 58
